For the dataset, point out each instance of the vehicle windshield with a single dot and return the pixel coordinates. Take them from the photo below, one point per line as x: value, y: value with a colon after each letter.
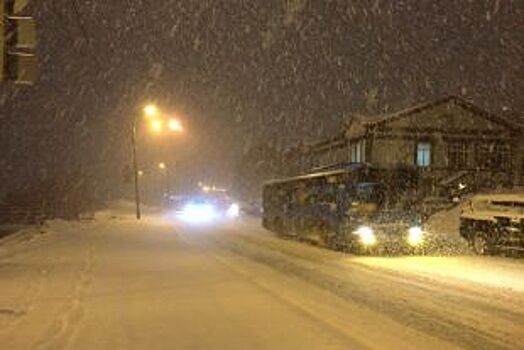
x: 369, y: 193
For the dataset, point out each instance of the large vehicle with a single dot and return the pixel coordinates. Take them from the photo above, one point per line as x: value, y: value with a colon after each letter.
x: 494, y: 222
x: 358, y: 208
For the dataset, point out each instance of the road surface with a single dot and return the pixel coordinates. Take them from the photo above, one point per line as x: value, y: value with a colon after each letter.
x: 113, y: 283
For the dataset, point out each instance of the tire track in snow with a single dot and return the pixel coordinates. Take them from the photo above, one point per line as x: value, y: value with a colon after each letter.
x: 426, y: 305
x: 332, y: 328
x: 471, y: 297
x: 443, y: 318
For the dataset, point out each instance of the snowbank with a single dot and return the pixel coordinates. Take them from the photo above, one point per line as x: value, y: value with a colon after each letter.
x: 495, y: 272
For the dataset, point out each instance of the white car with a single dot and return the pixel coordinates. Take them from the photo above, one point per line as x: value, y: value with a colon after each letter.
x: 494, y: 222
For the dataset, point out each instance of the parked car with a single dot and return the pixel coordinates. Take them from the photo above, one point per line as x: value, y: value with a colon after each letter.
x: 493, y: 223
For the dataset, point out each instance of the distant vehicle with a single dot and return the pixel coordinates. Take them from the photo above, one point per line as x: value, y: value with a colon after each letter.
x: 359, y: 208
x: 494, y: 222
x: 207, y: 207
x: 251, y: 208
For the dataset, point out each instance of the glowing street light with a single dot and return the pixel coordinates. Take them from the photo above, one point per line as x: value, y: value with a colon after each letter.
x: 175, y: 125
x: 150, y: 111
x: 156, y: 125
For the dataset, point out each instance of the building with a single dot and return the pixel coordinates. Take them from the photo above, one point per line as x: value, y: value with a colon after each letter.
x: 450, y: 142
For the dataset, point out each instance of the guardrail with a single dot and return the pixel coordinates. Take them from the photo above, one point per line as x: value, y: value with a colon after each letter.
x: 22, y: 215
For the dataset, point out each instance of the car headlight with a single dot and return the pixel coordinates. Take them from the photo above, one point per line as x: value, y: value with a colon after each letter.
x: 233, y: 210
x: 415, y: 235
x: 198, y: 213
x: 366, y: 234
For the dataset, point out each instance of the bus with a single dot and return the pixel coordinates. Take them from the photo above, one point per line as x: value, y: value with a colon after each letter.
x: 358, y: 208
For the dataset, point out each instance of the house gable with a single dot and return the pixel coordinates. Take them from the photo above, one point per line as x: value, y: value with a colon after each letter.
x: 451, y: 117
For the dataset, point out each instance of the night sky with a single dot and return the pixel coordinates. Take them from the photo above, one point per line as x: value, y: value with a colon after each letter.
x: 243, y: 72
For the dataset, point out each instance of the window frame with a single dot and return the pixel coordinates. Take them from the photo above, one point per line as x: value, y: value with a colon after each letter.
x: 429, y: 162
x: 357, y: 151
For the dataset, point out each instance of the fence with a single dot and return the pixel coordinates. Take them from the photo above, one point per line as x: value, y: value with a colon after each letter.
x: 22, y: 215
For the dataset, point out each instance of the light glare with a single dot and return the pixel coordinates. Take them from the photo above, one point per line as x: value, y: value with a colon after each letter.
x: 415, y: 235
x: 367, y: 237
x: 198, y: 213
x: 175, y: 125
x: 234, y: 210
x: 150, y: 111
x: 156, y: 125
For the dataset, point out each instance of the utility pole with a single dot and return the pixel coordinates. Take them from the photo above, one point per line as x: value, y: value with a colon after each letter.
x: 135, y: 169
x: 17, y: 43
x: 156, y: 123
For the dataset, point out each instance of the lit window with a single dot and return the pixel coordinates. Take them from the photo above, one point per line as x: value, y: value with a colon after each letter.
x: 358, y: 151
x: 363, y: 151
x: 423, y: 154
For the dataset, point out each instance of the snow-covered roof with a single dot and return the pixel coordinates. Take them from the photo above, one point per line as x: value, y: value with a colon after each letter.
x: 348, y: 168
x: 375, y: 120
x: 363, y: 122
x: 500, y: 197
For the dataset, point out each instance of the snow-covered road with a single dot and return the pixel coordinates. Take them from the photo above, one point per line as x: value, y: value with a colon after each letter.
x: 158, y: 284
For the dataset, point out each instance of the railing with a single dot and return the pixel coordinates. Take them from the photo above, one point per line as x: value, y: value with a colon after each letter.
x: 22, y: 215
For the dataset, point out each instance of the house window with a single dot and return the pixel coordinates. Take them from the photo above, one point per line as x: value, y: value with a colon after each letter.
x: 493, y: 155
x: 363, y: 151
x: 355, y: 152
x: 358, y: 151
x: 423, y: 154
x: 458, y: 155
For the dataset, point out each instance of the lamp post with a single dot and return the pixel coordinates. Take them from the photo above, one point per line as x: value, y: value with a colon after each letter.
x: 157, y: 124
x: 164, y: 169
x: 135, y: 168
x: 150, y: 111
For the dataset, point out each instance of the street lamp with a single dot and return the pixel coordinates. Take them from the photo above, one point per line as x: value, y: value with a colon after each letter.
x: 135, y: 167
x: 156, y: 125
x: 175, y: 125
x: 165, y: 170
x: 150, y: 111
